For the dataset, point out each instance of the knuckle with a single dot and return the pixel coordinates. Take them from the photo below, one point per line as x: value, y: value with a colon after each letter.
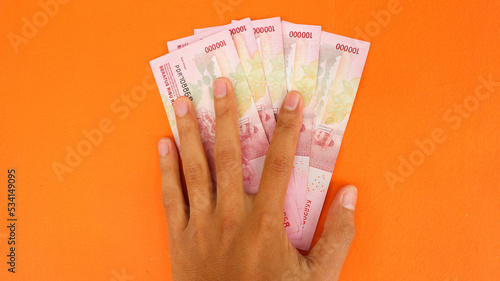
x: 187, y: 126
x: 227, y: 156
x: 348, y: 232
x: 287, y: 121
x: 223, y: 110
x: 165, y: 168
x: 267, y: 223
x: 279, y: 164
x: 193, y: 171
x: 167, y: 200
x: 229, y: 223
x: 200, y: 202
x: 228, y: 163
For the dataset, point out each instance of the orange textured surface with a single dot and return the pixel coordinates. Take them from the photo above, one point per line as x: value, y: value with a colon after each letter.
x: 85, y: 67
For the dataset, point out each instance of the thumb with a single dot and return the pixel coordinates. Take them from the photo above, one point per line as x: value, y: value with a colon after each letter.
x: 329, y: 254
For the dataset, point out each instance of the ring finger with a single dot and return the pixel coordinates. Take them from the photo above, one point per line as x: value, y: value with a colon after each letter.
x: 194, y: 162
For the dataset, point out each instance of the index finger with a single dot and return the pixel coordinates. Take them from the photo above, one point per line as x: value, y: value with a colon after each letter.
x: 280, y: 157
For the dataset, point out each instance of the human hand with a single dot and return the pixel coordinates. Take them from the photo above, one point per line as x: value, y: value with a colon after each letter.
x: 228, y: 234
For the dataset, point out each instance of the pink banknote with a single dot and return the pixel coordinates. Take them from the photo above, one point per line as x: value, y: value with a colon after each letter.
x: 177, y: 44
x: 191, y: 72
x: 301, y: 54
x: 341, y: 64
x: 246, y: 45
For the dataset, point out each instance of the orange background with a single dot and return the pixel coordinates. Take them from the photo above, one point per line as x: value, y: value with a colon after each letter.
x: 104, y: 219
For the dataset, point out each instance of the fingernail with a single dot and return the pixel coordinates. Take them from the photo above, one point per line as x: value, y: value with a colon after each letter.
x: 180, y: 107
x: 291, y: 101
x: 163, y: 147
x: 220, y: 88
x: 349, y: 198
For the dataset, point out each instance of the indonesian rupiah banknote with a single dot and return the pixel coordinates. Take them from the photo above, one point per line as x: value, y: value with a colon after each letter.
x: 301, y: 54
x: 269, y: 36
x: 174, y: 45
x: 325, y: 68
x: 191, y: 72
x: 246, y: 45
x: 341, y: 64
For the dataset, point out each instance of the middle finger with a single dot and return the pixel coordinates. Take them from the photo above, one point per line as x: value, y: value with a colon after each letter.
x: 227, y: 146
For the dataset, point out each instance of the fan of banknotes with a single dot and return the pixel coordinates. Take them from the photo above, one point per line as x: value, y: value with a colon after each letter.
x: 264, y: 59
